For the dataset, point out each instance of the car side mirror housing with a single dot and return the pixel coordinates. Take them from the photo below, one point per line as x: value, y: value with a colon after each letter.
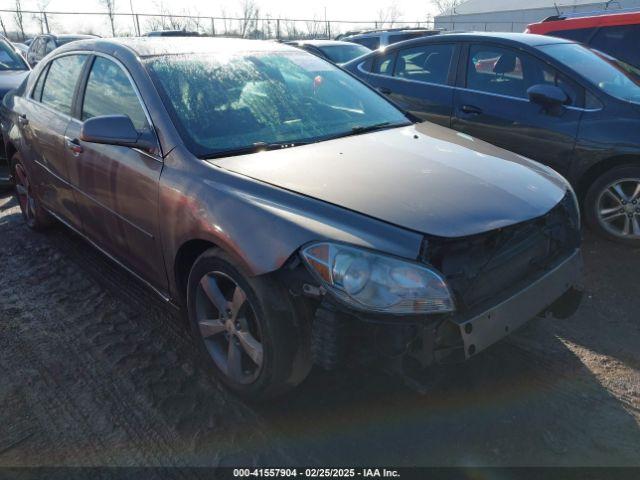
x: 116, y: 130
x: 548, y: 96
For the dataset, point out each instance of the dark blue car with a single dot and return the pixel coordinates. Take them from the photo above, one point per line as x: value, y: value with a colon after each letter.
x: 549, y: 99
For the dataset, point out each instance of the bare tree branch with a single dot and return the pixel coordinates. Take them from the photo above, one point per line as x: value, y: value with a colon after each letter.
x: 248, y: 18
x: 19, y: 19
x: 387, y: 17
x: 110, y: 7
x: 447, y: 7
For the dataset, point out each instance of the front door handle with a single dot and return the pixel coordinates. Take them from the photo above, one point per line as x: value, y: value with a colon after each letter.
x: 471, y: 110
x: 73, y: 145
x: 384, y: 90
x: 23, y: 120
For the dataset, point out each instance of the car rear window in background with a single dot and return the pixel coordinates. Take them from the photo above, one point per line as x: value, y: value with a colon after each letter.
x: 603, y: 72
x: 344, y: 53
x: 10, y: 59
x: 621, y: 42
x: 60, y: 83
x: 221, y: 103
x: 372, y: 43
x: 401, y: 37
x: 109, y: 92
x: 581, y: 35
x: 427, y: 63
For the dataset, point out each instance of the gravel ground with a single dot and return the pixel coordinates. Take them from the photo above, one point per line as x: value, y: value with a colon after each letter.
x: 95, y: 370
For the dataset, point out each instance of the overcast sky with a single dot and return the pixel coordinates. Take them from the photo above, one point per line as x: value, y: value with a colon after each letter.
x: 346, y: 10
x: 412, y: 10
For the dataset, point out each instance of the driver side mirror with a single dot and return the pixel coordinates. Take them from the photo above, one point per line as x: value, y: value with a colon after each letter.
x: 547, y: 96
x: 116, y: 130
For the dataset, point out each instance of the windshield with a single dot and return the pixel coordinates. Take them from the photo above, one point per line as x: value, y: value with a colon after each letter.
x: 344, y: 53
x: 10, y: 59
x: 222, y: 102
x: 603, y: 71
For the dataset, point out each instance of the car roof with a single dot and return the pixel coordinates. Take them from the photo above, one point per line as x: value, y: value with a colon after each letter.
x: 515, y: 39
x: 320, y: 43
x: 587, y: 21
x: 156, y: 46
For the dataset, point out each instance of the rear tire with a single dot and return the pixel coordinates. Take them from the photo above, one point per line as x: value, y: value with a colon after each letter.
x: 244, y: 326
x: 34, y: 214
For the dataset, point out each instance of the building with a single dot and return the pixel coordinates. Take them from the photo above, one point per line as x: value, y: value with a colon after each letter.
x: 515, y: 15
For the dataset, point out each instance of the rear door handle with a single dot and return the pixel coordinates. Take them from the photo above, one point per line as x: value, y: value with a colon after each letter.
x: 73, y: 145
x: 471, y: 110
x: 23, y: 120
x: 384, y: 90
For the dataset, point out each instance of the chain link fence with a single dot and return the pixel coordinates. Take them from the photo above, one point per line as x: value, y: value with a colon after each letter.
x: 20, y: 25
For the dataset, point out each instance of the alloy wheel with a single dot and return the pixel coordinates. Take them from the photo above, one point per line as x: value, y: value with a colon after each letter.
x: 618, y: 208
x: 229, y: 327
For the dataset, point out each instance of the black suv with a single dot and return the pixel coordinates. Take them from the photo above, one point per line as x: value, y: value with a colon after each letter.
x: 549, y: 99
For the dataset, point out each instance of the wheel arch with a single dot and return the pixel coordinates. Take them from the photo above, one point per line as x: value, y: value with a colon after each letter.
x: 596, y: 170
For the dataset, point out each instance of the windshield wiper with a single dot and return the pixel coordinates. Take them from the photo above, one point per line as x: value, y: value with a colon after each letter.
x: 254, y: 148
x: 370, y: 128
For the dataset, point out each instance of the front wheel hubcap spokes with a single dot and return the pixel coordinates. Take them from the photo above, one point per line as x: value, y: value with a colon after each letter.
x: 229, y: 337
x: 619, y: 208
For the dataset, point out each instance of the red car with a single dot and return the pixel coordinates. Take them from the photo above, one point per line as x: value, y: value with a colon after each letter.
x: 616, y: 34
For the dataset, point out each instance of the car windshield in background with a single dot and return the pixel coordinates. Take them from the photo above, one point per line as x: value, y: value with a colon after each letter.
x: 604, y: 72
x: 10, y: 59
x: 221, y: 103
x: 344, y: 53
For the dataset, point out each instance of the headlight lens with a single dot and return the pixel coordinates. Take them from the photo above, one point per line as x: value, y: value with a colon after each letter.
x: 376, y: 282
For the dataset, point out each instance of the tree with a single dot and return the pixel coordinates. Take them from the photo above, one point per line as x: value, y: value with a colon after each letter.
x: 110, y: 7
x: 19, y: 19
x: 248, y: 17
x: 447, y: 7
x: 387, y: 17
x: 39, y: 17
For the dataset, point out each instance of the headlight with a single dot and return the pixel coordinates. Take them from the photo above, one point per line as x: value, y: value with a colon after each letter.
x: 376, y: 282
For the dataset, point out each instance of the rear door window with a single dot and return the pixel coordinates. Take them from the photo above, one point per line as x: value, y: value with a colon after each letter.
x: 60, y: 83
x: 110, y: 92
x: 426, y: 63
x: 384, y: 64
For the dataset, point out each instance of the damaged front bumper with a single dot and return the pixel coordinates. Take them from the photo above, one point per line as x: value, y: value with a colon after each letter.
x: 338, y: 334
x: 556, y: 292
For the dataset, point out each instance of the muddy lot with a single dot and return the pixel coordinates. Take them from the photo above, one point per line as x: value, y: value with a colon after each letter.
x: 95, y: 370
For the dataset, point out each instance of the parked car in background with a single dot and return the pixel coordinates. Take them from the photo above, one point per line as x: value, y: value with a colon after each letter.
x: 616, y: 34
x: 13, y: 71
x: 22, y: 48
x: 549, y: 99
x: 43, y: 45
x: 335, y: 51
x: 374, y: 39
x: 172, y: 33
x: 295, y: 220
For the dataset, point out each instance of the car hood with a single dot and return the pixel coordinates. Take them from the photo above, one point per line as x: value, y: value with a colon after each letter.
x: 423, y: 177
x: 11, y: 79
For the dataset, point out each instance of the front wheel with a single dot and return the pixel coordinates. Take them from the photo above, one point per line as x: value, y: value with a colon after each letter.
x: 244, y: 326
x: 612, y: 205
x: 35, y: 216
